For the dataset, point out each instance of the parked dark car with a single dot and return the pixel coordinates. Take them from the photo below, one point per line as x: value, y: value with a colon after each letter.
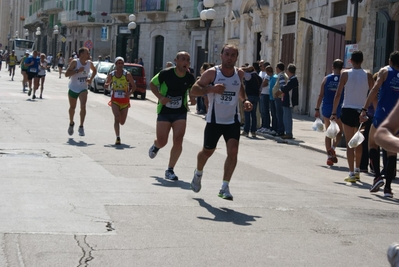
x: 138, y: 74
x: 98, y: 81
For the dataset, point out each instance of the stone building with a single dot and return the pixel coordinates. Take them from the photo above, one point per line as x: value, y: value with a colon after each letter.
x: 308, y: 33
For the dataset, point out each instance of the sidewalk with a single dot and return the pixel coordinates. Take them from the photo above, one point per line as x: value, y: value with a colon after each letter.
x: 304, y: 135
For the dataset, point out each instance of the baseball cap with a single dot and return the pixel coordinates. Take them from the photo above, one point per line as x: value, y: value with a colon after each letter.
x: 119, y: 58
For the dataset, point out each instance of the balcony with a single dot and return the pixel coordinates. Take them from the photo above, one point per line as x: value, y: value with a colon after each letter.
x: 153, y: 8
x: 53, y: 7
x: 32, y: 22
x: 122, y: 7
x: 69, y: 18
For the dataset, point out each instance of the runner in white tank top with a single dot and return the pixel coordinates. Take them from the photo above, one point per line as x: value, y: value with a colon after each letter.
x: 356, y: 82
x: 223, y: 86
x: 78, y: 71
x: 224, y: 107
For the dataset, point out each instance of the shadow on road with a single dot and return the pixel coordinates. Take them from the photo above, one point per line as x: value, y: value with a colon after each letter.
x: 226, y: 215
x: 120, y: 147
x: 72, y: 142
x: 167, y: 183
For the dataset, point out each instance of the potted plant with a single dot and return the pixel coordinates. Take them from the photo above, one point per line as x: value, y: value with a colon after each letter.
x: 104, y: 13
x: 88, y: 13
x: 91, y: 19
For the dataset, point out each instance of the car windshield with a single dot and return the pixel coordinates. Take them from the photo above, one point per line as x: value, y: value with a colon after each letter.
x: 104, y: 68
x: 134, y: 70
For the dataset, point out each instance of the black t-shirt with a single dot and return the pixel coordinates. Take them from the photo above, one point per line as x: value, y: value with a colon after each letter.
x: 175, y: 88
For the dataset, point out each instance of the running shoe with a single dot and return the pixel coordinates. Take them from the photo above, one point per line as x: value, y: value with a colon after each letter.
x: 388, y: 193
x: 29, y: 92
x: 351, y: 178
x: 332, y: 155
x: 330, y: 162
x: 377, y: 183
x: 170, y: 175
x: 152, y: 152
x: 196, y: 182
x: 253, y: 134
x: 70, y: 129
x: 34, y: 97
x: 118, y: 141
x: 357, y: 176
x: 81, y: 131
x: 225, y: 194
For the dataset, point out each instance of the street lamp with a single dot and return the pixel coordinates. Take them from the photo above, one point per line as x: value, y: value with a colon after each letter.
x: 132, y: 25
x: 55, y: 33
x: 207, y: 15
x: 38, y: 33
x: 26, y: 33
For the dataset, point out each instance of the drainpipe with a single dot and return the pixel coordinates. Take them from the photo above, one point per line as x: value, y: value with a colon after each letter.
x: 354, y: 24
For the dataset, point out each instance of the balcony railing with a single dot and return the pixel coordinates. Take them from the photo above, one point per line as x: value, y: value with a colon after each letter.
x: 122, y: 6
x: 152, y: 5
x: 71, y: 17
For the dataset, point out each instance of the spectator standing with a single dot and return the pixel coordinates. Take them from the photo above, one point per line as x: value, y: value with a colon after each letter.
x: 253, y: 84
x: 281, y: 81
x: 264, y: 103
x: 290, y: 98
x: 272, y: 82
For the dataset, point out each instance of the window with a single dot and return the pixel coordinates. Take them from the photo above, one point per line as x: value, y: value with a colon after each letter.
x: 339, y: 8
x: 290, y: 19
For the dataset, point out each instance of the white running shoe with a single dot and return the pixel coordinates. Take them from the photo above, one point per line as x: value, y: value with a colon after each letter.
x: 225, y: 194
x: 196, y: 182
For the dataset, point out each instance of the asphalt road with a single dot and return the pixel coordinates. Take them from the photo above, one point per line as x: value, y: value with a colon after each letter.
x: 82, y: 201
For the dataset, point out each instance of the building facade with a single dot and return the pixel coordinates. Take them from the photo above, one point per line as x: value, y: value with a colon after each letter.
x: 308, y: 33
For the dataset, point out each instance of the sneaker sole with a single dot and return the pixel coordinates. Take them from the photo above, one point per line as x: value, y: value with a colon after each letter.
x: 172, y: 179
x: 376, y: 187
x: 350, y: 180
x: 389, y: 195
x: 192, y: 188
x: 225, y: 198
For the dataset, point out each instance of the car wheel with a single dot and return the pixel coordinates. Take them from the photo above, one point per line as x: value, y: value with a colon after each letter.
x: 95, y: 88
x: 143, y: 96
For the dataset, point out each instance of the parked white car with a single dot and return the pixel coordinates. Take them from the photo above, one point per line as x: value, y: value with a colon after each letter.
x: 97, y: 83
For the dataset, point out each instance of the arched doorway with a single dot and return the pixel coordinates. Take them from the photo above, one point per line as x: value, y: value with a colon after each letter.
x: 384, y: 40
